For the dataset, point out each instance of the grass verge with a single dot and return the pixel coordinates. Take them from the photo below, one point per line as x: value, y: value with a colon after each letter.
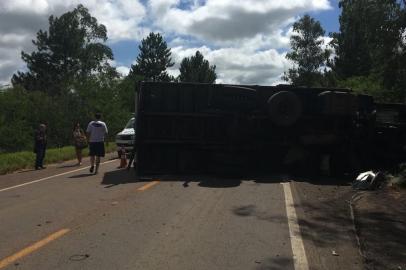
x: 10, y: 162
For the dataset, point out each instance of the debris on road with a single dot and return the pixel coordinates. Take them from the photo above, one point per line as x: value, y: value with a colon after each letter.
x: 79, y: 257
x: 334, y: 253
x: 368, y: 181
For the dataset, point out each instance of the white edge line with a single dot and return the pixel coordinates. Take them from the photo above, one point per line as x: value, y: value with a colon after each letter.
x: 50, y: 177
x: 299, y: 254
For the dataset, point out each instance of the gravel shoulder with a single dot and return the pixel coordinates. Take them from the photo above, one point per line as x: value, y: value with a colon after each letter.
x: 326, y: 224
x: 374, y: 239
x: 381, y: 223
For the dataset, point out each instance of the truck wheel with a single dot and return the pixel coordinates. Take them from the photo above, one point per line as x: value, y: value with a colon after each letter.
x: 284, y: 108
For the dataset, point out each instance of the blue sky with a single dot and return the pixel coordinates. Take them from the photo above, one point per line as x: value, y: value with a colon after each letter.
x: 125, y: 51
x: 329, y: 18
x: 246, y: 39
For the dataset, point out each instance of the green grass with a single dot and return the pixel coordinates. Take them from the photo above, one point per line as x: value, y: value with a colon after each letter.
x: 10, y: 162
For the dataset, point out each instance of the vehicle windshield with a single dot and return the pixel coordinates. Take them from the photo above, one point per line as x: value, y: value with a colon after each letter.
x: 130, y: 123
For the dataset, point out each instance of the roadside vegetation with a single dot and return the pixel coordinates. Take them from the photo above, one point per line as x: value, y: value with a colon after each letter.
x: 10, y: 162
x: 398, y: 177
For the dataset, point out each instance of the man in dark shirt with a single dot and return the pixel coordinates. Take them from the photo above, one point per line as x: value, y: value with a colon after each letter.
x: 40, y: 144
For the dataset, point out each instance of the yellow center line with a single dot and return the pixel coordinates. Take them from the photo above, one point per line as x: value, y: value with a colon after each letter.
x: 147, y: 186
x: 30, y: 249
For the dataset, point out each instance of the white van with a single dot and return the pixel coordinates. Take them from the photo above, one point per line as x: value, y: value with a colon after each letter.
x: 126, y: 138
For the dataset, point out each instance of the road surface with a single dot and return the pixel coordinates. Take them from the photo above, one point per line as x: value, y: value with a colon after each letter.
x: 65, y: 218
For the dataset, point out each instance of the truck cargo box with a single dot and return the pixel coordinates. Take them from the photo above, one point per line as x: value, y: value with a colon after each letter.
x: 190, y: 128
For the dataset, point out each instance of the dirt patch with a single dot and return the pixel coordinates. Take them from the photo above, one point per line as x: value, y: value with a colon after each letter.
x: 381, y: 223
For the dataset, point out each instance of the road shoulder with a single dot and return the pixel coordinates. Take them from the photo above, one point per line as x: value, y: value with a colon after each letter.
x: 381, y: 224
x: 326, y: 225
x: 24, y: 176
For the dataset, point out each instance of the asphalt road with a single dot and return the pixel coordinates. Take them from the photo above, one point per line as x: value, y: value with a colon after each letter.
x: 68, y: 219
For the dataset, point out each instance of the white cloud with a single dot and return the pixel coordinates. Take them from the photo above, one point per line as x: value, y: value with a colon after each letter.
x: 123, y: 70
x: 245, y: 39
x: 228, y: 21
x: 238, y: 65
x: 21, y: 19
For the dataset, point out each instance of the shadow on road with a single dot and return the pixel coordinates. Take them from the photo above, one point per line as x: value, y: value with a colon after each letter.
x: 219, y: 183
x: 81, y: 175
x: 276, y: 263
x: 123, y: 176
x: 119, y: 177
x: 252, y: 211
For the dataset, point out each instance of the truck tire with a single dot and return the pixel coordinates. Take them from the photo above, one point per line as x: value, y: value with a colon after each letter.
x: 284, y: 108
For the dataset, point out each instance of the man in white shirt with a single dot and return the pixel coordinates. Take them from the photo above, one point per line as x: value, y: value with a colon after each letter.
x: 96, y: 132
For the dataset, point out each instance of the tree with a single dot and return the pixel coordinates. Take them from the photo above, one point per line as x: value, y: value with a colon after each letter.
x: 197, y: 69
x: 363, y: 45
x: 307, y: 52
x: 153, y: 60
x: 72, y: 49
x: 373, y: 48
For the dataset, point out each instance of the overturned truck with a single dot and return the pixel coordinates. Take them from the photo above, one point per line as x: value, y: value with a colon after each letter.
x: 189, y: 128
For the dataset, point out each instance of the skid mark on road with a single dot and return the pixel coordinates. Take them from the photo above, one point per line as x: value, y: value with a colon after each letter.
x: 52, y: 176
x: 299, y: 254
x: 30, y: 249
x: 147, y: 186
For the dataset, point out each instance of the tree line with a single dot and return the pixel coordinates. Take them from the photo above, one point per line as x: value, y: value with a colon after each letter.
x: 69, y: 75
x: 368, y: 54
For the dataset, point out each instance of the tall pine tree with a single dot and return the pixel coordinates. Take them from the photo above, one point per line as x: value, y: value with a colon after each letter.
x: 153, y: 60
x: 197, y: 69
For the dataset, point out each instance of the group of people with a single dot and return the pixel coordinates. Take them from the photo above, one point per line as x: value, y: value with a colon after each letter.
x: 93, y: 138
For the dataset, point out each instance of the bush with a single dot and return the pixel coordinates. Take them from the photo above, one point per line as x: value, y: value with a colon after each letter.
x: 372, y: 85
x: 21, y: 111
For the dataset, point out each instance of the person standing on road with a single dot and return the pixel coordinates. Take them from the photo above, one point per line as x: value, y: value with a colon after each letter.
x: 40, y: 144
x: 80, y: 141
x: 96, y: 131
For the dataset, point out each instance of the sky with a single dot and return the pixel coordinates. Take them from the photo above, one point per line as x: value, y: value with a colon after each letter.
x: 247, y: 40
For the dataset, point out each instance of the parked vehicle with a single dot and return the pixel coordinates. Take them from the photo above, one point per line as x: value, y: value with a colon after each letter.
x: 126, y: 138
x: 185, y: 128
